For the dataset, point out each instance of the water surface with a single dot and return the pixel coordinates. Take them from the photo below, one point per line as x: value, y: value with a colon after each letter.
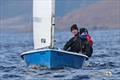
x: 105, y: 59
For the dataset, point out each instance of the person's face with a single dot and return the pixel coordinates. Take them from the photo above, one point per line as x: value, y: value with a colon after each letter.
x: 74, y: 32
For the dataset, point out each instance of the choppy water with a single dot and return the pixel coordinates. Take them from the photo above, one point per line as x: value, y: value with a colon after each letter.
x: 105, y: 59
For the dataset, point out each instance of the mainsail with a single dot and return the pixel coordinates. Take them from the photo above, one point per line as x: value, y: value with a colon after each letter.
x: 43, y: 20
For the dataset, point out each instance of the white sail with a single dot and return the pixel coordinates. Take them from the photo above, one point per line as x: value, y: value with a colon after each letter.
x: 42, y: 23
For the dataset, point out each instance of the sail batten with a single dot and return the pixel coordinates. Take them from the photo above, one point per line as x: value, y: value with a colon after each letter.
x: 42, y: 23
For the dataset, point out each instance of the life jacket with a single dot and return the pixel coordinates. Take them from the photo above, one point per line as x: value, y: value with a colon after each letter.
x: 88, y: 37
x: 86, y: 45
x: 85, y: 36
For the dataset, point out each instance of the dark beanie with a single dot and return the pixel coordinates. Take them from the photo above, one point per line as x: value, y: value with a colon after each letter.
x: 74, y: 27
x: 83, y: 30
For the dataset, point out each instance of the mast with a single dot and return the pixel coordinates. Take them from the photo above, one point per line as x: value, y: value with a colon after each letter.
x: 52, y: 24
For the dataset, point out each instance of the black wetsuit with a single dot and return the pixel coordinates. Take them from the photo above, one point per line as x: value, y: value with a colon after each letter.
x: 76, y: 44
x: 73, y: 44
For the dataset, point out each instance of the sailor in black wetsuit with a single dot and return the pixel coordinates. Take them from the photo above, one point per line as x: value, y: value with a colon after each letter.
x: 73, y: 45
x: 80, y: 42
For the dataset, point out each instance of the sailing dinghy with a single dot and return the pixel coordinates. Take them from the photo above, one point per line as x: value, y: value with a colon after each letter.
x: 44, y: 53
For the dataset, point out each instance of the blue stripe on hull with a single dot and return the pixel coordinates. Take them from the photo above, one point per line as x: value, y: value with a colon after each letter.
x: 54, y: 59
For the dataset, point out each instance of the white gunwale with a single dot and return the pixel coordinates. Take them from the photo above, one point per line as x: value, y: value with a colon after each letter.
x: 65, y: 52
